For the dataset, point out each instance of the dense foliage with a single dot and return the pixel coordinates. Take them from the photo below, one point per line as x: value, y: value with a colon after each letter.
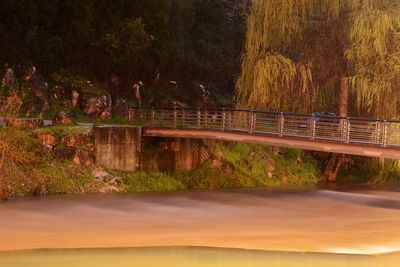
x: 194, y: 40
x: 302, y: 54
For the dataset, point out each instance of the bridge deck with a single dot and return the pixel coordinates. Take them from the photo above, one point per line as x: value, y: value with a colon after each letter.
x: 323, y: 146
x: 357, y: 136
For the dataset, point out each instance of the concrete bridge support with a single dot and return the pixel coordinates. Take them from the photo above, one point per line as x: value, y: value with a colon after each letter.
x: 117, y: 147
x: 173, y: 154
x: 125, y: 148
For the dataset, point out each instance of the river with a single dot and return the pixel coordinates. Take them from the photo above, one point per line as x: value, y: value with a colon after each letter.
x: 206, y: 226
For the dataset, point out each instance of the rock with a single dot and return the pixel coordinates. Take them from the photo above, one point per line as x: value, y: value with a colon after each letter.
x: 109, y: 189
x: 62, y: 152
x: 270, y: 164
x: 299, y: 160
x: 285, y: 179
x: 9, y: 80
x: 115, y: 181
x: 78, y: 155
x: 62, y: 118
x: 216, y: 163
x: 39, y: 101
x: 83, y: 157
x: 47, y: 139
x: 122, y: 109
x: 227, y: 168
x: 74, y: 98
x: 23, y: 123
x: 48, y: 147
x: 99, y: 173
x: 77, y: 139
x: 97, y: 106
x: 278, y: 150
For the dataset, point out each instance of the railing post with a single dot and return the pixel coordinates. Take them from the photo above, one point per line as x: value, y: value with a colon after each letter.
x: 198, y: 120
x: 153, y: 115
x: 384, y: 133
x: 281, y: 122
x: 223, y: 119
x: 347, y: 128
x: 313, y: 125
x: 250, y: 121
x: 230, y: 119
x: 377, y: 132
x: 130, y: 117
x: 183, y: 117
x: 175, y: 117
x: 254, y: 121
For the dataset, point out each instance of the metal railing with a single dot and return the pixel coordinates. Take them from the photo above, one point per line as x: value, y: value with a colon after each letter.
x: 366, y: 131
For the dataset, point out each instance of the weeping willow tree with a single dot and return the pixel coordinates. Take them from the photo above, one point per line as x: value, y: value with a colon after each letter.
x: 316, y: 55
x: 300, y: 54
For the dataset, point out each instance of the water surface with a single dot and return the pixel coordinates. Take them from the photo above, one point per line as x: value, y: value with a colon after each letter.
x: 356, y: 220
x: 188, y: 257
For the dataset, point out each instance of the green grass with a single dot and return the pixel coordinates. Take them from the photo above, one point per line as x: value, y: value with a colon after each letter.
x: 61, y: 130
x: 151, y: 182
x: 250, y: 171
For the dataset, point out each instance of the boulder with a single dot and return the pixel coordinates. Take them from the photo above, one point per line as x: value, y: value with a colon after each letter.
x: 62, y: 118
x: 270, y: 164
x: 47, y: 139
x: 227, y: 167
x: 97, y: 106
x: 278, y: 150
x: 9, y: 80
x: 77, y: 139
x: 23, y: 123
x: 39, y: 101
x: 62, y: 152
x: 74, y: 98
x: 78, y: 155
x: 299, y: 160
x: 99, y: 173
x: 122, y: 108
x: 216, y: 162
x: 83, y: 157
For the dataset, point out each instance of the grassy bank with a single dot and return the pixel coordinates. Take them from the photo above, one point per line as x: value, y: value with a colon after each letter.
x: 28, y: 168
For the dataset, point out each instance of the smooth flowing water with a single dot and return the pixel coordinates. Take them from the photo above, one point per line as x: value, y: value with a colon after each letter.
x: 308, y: 224
x: 188, y: 257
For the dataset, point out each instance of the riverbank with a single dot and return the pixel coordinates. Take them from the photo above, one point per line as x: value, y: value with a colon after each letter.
x: 355, y: 222
x: 60, y: 160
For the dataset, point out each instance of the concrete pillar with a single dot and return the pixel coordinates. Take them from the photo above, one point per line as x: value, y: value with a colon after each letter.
x: 118, y: 147
x: 173, y: 154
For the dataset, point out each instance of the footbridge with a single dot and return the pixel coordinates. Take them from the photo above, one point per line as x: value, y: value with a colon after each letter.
x: 347, y: 135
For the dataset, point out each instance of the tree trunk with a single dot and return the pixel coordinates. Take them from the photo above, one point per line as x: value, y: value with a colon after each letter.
x: 343, y: 96
x: 335, y: 161
x: 333, y: 165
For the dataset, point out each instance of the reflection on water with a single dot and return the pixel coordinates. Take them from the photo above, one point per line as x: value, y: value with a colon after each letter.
x: 188, y: 257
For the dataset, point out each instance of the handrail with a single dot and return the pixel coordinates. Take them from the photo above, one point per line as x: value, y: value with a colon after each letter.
x: 266, y: 111
x: 317, y: 127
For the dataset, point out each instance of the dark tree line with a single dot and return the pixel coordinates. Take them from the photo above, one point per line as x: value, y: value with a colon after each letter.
x: 131, y: 39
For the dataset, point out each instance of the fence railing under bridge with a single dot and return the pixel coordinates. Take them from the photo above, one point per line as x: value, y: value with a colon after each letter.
x: 365, y: 131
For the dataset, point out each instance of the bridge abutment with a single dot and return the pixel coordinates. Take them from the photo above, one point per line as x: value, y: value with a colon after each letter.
x: 173, y: 154
x: 125, y: 148
x: 118, y: 147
